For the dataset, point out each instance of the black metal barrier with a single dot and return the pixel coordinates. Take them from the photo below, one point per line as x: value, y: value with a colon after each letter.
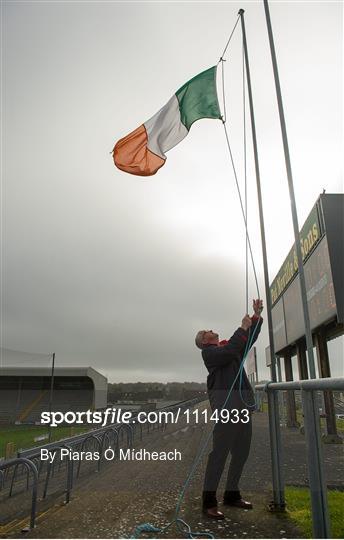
x: 109, y: 436
x: 29, y: 465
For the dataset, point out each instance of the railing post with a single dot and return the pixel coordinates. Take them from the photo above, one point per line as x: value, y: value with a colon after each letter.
x: 276, y: 451
x: 317, y: 484
x: 28, y: 465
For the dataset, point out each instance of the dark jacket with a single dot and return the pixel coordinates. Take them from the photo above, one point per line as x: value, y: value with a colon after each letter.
x: 223, y: 363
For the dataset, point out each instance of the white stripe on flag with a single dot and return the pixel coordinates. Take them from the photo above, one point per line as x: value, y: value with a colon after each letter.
x: 165, y: 129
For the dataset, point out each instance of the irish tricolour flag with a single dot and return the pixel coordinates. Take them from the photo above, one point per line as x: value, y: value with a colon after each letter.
x: 142, y: 152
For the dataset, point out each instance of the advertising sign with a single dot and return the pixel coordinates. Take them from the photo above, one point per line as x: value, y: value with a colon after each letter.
x: 309, y: 237
x: 251, y: 365
x: 278, y: 325
x: 319, y: 284
x: 268, y: 357
x: 320, y: 296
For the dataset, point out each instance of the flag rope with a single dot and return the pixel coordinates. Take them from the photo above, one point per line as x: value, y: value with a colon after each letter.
x: 238, y: 189
x: 245, y: 169
x: 229, y: 39
x: 242, y: 209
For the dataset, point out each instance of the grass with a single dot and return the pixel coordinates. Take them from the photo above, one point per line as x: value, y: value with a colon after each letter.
x: 339, y: 421
x: 23, y: 436
x: 299, y: 509
x: 299, y: 417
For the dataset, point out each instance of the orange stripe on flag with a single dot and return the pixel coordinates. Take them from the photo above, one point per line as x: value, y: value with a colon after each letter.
x: 132, y: 155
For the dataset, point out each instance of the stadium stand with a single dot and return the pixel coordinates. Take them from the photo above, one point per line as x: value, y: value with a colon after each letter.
x: 25, y: 392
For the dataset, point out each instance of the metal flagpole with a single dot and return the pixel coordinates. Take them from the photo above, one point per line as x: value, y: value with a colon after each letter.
x: 275, y: 435
x: 51, y: 394
x: 321, y: 524
x: 309, y: 340
x: 260, y: 204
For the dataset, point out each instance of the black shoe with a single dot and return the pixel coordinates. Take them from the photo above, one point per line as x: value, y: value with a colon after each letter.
x: 239, y: 503
x: 213, y: 513
x: 234, y: 498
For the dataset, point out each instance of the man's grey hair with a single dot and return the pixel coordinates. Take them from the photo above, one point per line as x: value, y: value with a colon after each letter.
x: 199, y: 339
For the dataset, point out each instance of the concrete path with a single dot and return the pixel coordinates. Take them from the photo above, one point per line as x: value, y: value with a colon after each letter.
x: 124, y: 494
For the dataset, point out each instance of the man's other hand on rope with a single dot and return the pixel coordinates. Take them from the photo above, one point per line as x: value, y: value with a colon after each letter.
x: 246, y: 323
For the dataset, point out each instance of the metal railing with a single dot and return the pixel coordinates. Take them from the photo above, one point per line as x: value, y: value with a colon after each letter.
x: 317, y: 483
x: 30, y: 467
x: 29, y: 460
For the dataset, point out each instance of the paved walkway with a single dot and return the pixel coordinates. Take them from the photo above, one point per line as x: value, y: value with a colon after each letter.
x: 124, y: 494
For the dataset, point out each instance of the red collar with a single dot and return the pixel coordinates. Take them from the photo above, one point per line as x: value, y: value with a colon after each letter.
x: 221, y: 344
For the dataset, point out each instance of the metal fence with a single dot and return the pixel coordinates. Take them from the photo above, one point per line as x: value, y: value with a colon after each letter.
x: 29, y: 466
x: 317, y: 484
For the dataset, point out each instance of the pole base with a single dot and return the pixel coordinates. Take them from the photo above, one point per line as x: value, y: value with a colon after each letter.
x: 275, y: 507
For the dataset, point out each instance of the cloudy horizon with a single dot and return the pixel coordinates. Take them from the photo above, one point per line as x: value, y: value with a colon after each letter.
x: 119, y: 272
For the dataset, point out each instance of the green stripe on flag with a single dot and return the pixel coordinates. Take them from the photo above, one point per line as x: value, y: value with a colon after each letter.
x: 198, y: 98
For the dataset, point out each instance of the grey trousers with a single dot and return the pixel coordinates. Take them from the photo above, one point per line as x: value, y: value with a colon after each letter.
x: 227, y: 438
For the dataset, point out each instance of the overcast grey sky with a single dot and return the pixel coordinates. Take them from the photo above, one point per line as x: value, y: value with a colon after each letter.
x: 119, y: 272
